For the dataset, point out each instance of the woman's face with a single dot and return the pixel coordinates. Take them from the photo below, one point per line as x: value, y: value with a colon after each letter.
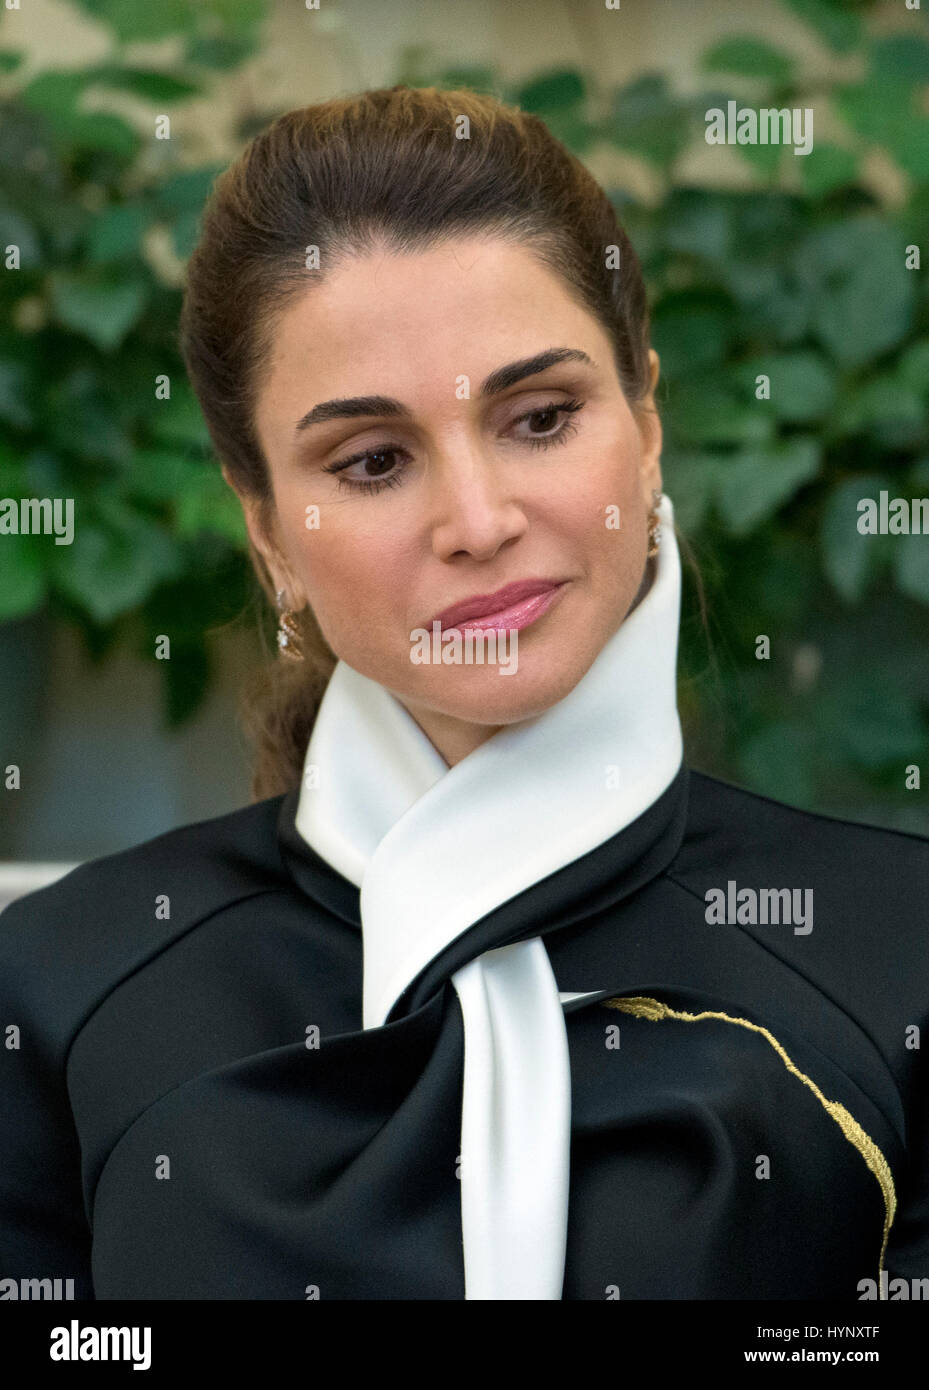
x: 467, y: 480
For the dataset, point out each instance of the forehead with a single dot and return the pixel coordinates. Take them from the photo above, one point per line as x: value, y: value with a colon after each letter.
x: 470, y: 272
x: 394, y: 323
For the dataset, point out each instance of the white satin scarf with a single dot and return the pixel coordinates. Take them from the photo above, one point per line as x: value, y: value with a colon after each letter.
x: 434, y: 849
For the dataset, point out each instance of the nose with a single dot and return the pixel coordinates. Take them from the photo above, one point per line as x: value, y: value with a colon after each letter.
x: 473, y: 507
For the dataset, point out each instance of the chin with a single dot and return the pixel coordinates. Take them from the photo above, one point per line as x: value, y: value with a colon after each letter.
x: 485, y: 695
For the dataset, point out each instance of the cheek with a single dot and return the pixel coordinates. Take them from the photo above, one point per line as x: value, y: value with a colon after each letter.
x: 611, y: 516
x: 611, y: 467
x: 604, y: 508
x: 343, y: 568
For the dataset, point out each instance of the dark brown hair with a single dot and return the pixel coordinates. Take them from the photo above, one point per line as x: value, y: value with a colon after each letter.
x: 382, y: 168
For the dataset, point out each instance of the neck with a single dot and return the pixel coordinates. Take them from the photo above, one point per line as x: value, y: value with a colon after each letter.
x: 452, y: 738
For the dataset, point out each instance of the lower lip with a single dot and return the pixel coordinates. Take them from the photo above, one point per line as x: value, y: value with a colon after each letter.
x: 518, y: 616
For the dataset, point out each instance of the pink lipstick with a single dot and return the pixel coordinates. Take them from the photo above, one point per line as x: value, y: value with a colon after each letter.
x: 514, y: 606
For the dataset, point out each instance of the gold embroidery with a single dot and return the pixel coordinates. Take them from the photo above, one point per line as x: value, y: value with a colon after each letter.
x: 654, y: 1009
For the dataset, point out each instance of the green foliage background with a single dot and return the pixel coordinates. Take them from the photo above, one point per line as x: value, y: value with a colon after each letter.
x: 801, y: 277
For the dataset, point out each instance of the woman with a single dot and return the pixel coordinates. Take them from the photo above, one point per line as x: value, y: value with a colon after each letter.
x: 488, y: 995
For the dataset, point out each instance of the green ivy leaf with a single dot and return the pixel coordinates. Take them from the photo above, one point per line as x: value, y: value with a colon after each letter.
x: 186, y: 190
x: 473, y: 78
x: 117, y: 232
x: 861, y: 294
x: 691, y: 480
x: 838, y: 26
x: 787, y: 581
x: 134, y: 23
x: 887, y: 407
x: 185, y: 234
x: 100, y: 132
x: 919, y: 475
x: 876, y: 721
x: 828, y: 167
x: 211, y: 506
x: 80, y: 418
x: 692, y: 330
x: 756, y: 482
x: 803, y: 384
x: 148, y: 83
x: 161, y: 475
x: 240, y: 17
x: 774, y: 305
x: 874, y: 107
x: 559, y: 90
x: 649, y: 120
x: 18, y: 230
x: 743, y: 53
x: 911, y: 148
x: 711, y: 411
x: 54, y: 93
x: 12, y: 472
x: 101, y: 306
x: 220, y: 52
x: 902, y: 57
x: 559, y: 97
x: 14, y: 386
x: 850, y: 560
x: 22, y: 575
x: 697, y: 221
x: 911, y: 565
x: 764, y: 222
x: 886, y: 110
x: 179, y: 419
x: 765, y: 158
x: 115, y: 561
x: 776, y: 761
x: 46, y: 474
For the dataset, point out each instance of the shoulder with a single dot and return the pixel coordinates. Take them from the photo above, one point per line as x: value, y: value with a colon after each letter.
x: 866, y: 886
x: 66, y: 944
x: 229, y: 853
x: 728, y: 812
x: 840, y: 903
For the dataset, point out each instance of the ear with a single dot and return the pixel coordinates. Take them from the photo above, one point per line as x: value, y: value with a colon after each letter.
x: 649, y: 425
x: 258, y: 519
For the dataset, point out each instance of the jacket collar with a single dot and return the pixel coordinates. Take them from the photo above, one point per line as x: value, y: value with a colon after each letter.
x: 434, y: 851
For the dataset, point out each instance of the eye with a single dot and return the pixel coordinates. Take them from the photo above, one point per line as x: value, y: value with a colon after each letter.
x: 382, y: 454
x: 377, y: 455
x: 544, y: 438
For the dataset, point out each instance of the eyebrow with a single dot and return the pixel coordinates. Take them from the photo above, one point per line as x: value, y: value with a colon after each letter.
x: 350, y: 407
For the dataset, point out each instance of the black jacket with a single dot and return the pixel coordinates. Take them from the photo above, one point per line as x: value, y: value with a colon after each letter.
x: 190, y: 1108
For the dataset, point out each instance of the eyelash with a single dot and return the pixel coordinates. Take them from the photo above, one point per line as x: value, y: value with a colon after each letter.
x: 394, y: 479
